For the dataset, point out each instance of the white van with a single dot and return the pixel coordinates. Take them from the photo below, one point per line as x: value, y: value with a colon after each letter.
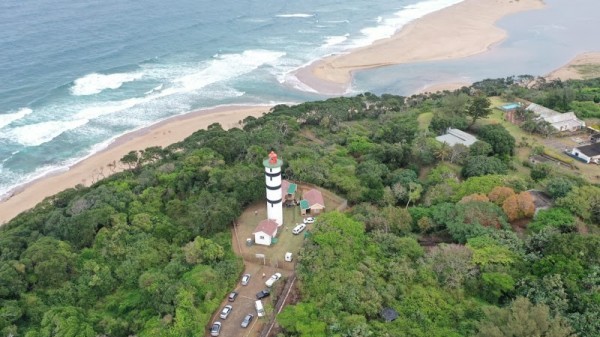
x: 260, y: 311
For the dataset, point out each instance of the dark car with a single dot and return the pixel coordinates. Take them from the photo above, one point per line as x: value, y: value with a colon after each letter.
x: 247, y: 320
x: 263, y: 293
x: 232, y: 296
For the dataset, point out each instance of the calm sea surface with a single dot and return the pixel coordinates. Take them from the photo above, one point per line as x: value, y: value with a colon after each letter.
x: 74, y: 75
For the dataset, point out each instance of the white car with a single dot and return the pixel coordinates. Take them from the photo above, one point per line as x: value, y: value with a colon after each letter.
x: 272, y: 279
x: 288, y: 257
x: 226, y: 311
x: 245, y: 279
x: 309, y: 220
x: 299, y: 228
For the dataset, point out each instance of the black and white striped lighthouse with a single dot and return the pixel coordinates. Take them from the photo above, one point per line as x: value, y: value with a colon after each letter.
x: 273, y: 181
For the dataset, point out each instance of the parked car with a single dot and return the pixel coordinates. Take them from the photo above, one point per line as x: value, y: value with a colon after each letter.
x: 247, y: 320
x: 216, y: 329
x: 232, y: 296
x: 309, y: 220
x: 272, y: 279
x: 299, y: 228
x: 245, y: 279
x: 226, y: 311
x: 288, y: 257
x: 263, y: 293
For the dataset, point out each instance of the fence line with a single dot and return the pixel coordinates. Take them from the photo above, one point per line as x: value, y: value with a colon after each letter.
x: 279, y: 306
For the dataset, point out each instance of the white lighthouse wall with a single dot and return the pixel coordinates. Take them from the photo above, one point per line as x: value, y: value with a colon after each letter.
x: 275, y: 212
x: 273, y: 181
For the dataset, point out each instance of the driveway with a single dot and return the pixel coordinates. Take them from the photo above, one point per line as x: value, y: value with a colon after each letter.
x: 244, y: 303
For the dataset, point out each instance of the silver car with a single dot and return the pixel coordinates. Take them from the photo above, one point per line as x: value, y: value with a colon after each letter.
x: 245, y: 279
x: 226, y: 311
x: 216, y: 329
x: 247, y: 320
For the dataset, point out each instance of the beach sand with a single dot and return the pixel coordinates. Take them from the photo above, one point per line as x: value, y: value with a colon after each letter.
x: 96, y: 166
x: 583, y: 66
x: 464, y: 29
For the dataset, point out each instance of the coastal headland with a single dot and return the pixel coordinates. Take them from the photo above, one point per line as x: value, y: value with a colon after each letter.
x: 457, y: 31
x: 461, y: 30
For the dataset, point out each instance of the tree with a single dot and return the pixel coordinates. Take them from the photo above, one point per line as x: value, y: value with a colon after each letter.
x: 202, y: 250
x: 131, y: 159
x: 559, y: 187
x: 478, y: 108
x: 522, y: 319
x: 483, y: 165
x: 503, y: 143
x: 559, y: 218
x: 519, y: 206
x: 480, y: 148
x: 452, y: 264
x: 583, y: 201
x: 540, y: 171
x: 500, y: 193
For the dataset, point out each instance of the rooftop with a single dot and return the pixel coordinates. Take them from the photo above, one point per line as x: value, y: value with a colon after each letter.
x: 288, y: 187
x: 267, y: 226
x: 313, y: 197
x: 591, y: 150
x: 456, y: 136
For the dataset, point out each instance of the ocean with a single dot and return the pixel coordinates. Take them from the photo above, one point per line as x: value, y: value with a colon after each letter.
x: 75, y: 75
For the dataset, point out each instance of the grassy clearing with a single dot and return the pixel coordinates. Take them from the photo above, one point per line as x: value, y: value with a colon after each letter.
x: 424, y: 120
x: 588, y: 71
x: 287, y: 242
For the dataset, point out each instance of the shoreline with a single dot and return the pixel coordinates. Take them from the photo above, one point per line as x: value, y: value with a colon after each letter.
x: 96, y: 166
x: 464, y: 29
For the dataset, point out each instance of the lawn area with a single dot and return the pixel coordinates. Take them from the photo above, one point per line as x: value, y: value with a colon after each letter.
x: 286, y: 241
x: 424, y: 120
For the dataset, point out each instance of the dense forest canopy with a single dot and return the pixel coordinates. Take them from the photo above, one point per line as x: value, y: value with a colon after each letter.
x: 444, y: 236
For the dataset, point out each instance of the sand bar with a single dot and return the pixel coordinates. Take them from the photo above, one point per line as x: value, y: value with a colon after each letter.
x: 461, y: 30
x: 583, y: 66
x: 89, y: 170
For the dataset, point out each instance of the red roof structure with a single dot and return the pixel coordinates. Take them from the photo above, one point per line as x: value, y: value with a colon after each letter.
x: 313, y: 197
x: 267, y: 226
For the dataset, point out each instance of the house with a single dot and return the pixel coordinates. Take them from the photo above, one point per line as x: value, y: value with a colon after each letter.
x: 589, y: 153
x: 312, y: 202
x: 561, y: 122
x: 265, y: 232
x: 456, y: 136
x: 288, y: 191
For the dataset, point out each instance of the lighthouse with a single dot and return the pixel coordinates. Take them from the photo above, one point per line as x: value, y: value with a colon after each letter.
x: 273, y: 180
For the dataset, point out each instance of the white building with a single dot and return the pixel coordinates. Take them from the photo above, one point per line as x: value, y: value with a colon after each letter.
x: 265, y: 232
x: 559, y: 121
x: 456, y: 136
x: 589, y: 153
x: 273, y: 181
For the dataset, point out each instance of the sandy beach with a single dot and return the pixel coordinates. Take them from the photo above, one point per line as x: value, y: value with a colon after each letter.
x: 91, y: 169
x: 583, y: 66
x: 464, y: 29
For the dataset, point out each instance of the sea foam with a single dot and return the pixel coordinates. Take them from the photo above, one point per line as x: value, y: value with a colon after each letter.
x: 95, y: 83
x: 11, y: 117
x: 224, y: 67
x: 40, y: 133
x: 296, y: 15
